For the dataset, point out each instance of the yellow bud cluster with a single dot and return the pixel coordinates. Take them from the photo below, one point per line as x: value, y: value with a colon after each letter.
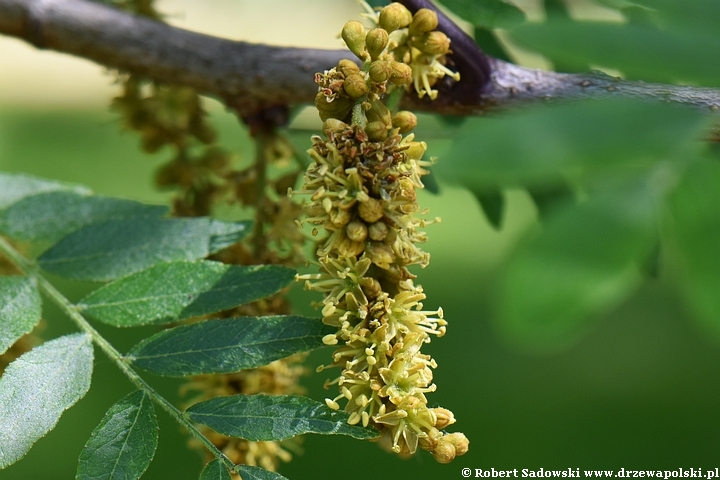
x: 403, y: 50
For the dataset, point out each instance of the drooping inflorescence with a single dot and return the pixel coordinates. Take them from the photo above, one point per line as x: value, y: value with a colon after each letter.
x: 363, y: 182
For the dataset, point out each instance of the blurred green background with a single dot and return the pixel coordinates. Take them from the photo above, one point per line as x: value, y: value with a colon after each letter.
x: 638, y: 391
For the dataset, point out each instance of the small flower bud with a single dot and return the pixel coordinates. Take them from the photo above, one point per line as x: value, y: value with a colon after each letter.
x: 462, y: 444
x: 444, y: 417
x: 349, y: 248
x: 380, y: 71
x: 376, y: 131
x: 371, y: 288
x: 390, y: 237
x: 356, y: 231
x: 334, y: 125
x: 407, y: 190
x: 416, y: 150
x: 394, y: 16
x: 371, y: 210
x: 355, y: 85
x: 353, y: 33
x: 401, y: 74
x: 339, y: 108
x: 380, y: 254
x: 405, y: 121
x: 433, y: 43
x: 346, y: 67
x: 395, y: 272
x: 378, y: 231
x: 424, y: 20
x: 376, y: 41
x: 430, y: 441
x: 339, y: 217
x: 444, y: 451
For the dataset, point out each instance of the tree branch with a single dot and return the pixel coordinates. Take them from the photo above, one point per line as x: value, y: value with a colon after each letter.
x: 249, y: 77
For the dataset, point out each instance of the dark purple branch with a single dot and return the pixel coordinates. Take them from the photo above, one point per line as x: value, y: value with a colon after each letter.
x: 467, y: 58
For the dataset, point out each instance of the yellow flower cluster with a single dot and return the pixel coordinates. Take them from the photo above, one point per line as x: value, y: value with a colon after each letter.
x: 363, y: 182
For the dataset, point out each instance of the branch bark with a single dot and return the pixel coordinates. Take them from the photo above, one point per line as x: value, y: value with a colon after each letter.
x: 249, y: 77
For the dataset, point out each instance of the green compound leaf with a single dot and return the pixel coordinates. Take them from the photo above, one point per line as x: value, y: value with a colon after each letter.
x: 695, y: 210
x: 274, y: 417
x: 37, y: 388
x: 584, y: 263
x: 50, y: 216
x: 256, y: 473
x: 179, y: 290
x: 115, y: 248
x: 215, y: 470
x: 538, y: 144
x: 676, y: 54
x: 20, y: 309
x: 14, y: 187
x: 487, y: 13
x: 228, y: 345
x: 123, y: 444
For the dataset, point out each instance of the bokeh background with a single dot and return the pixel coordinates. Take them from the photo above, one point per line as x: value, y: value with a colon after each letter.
x: 638, y: 390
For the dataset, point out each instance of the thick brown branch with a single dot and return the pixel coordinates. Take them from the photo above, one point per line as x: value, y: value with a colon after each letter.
x: 241, y: 73
x: 249, y: 76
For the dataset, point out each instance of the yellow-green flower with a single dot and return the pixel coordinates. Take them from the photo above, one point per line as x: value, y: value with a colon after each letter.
x: 362, y: 186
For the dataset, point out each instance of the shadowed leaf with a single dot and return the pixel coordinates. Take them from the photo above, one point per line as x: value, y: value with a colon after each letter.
x: 675, y: 54
x: 538, y: 145
x: 228, y: 345
x: 695, y: 210
x: 50, y: 216
x: 550, y: 197
x: 487, y: 13
x: 112, y: 249
x: 179, y: 290
x: 492, y: 202
x: 585, y: 262
x: 273, y: 417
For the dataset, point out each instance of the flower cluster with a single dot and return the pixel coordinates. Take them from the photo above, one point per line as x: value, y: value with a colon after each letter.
x: 362, y: 183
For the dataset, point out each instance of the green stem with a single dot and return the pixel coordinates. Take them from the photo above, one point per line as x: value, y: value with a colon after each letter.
x: 262, y: 141
x: 31, y: 270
